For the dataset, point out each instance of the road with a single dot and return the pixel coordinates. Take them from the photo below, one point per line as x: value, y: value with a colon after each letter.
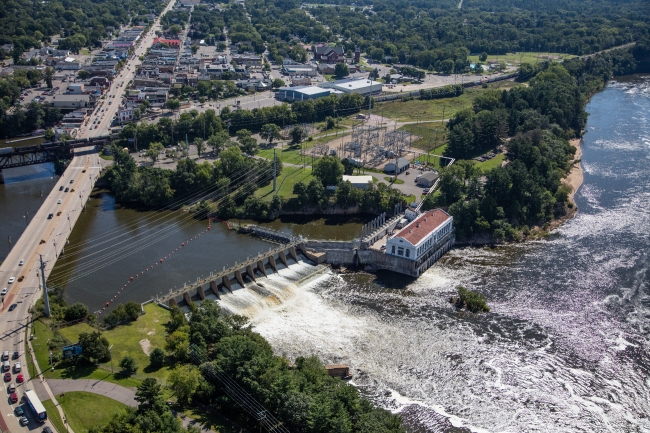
x: 47, y: 236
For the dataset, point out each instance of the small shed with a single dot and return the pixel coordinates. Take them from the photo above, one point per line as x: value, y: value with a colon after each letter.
x: 402, y: 165
x: 427, y: 179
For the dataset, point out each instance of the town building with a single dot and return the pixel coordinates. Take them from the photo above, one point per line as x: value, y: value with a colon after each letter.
x: 247, y: 60
x: 362, y: 86
x: 172, y: 43
x: 304, y: 70
x: 360, y: 182
x: 301, y: 93
x: 70, y: 102
x: 427, y: 179
x: 401, y: 165
x: 326, y: 53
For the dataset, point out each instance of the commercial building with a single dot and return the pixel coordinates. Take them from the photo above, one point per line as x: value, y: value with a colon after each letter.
x: 301, y: 93
x: 329, y: 54
x: 172, y: 43
x: 421, y: 235
x: 400, y: 166
x: 360, y: 182
x: 70, y: 102
x: 362, y: 86
x: 304, y: 70
x: 247, y: 60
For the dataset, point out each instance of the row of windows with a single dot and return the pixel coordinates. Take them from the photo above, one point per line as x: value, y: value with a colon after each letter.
x: 443, y: 231
x: 400, y: 251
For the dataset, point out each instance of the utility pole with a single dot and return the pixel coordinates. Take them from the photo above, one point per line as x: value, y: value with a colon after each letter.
x: 46, y: 300
x: 274, y: 169
x: 187, y: 148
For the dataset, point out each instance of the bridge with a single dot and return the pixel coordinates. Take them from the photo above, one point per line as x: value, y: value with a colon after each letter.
x: 45, y: 152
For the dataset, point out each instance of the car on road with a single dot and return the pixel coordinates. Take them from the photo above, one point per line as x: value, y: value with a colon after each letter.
x: 50, y: 216
x: 47, y: 430
x: 12, y: 307
x: 23, y: 421
x: 12, y: 279
x: 7, y: 377
x: 4, y: 291
x: 20, y: 263
x: 61, y: 188
x: 71, y: 180
x: 20, y: 378
x: 58, y: 201
x: 19, y: 411
x: 16, y: 355
x: 67, y: 189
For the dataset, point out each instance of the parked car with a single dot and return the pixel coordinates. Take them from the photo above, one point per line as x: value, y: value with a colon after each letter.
x: 13, y: 307
x: 23, y: 421
x: 16, y: 355
x: 13, y: 397
x: 17, y: 367
x: 67, y: 189
x: 20, y: 378
x: 4, y: 291
x: 19, y: 411
x: 7, y: 377
x: 50, y: 216
x: 12, y: 279
x: 12, y: 387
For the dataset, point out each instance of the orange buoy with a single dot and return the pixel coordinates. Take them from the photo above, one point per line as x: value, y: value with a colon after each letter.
x: 131, y: 278
x: 107, y: 303
x: 104, y: 308
x: 183, y: 244
x: 161, y: 260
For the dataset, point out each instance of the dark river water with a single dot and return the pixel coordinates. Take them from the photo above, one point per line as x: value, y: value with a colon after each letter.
x: 565, y: 347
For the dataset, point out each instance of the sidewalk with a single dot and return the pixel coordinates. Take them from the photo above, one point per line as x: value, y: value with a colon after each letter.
x: 107, y: 389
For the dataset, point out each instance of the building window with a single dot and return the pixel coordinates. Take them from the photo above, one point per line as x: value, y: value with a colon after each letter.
x: 392, y: 249
x: 408, y: 253
x: 400, y: 251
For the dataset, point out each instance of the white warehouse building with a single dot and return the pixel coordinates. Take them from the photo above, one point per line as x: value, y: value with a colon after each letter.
x: 362, y: 86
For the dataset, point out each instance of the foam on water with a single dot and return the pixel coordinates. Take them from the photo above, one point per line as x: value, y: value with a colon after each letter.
x: 565, y: 348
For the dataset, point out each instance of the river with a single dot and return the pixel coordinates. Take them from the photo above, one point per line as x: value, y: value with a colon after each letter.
x: 565, y: 347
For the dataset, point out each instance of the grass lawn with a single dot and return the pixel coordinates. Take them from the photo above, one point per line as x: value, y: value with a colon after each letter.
x: 41, y: 336
x: 289, y: 154
x: 416, y: 109
x: 126, y: 341
x: 396, y: 182
x: 491, y: 163
x: 53, y: 415
x: 434, y: 159
x: 285, y: 182
x: 434, y: 134
x: 523, y: 57
x: 84, y: 410
x: 213, y: 420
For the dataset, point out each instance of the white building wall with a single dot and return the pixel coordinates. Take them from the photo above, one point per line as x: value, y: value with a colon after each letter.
x: 396, y: 245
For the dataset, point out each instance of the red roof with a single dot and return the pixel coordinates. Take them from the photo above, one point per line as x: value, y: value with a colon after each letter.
x: 423, y: 225
x: 167, y: 41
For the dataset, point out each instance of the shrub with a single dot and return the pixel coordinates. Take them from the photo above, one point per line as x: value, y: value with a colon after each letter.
x: 475, y: 302
x: 128, y: 365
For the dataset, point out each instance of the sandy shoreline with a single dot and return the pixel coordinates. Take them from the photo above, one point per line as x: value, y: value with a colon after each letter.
x: 575, y: 177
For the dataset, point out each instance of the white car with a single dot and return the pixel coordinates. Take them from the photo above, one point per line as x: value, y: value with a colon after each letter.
x: 12, y: 279
x: 58, y: 201
x: 4, y: 291
x: 20, y: 263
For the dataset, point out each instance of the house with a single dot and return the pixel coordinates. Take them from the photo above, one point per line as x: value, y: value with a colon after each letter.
x: 402, y: 165
x: 125, y: 114
x: 67, y: 66
x: 76, y: 89
x: 360, y: 182
x: 427, y: 179
x: 328, y: 54
x: 422, y: 236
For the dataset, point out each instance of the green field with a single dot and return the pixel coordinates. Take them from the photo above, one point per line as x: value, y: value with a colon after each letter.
x: 84, y: 410
x: 285, y: 182
x: 433, y: 134
x: 126, y: 340
x: 524, y: 57
x: 491, y: 163
x: 416, y: 110
x: 53, y: 415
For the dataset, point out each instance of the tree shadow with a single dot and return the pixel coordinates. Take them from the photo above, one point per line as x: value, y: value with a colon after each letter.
x: 77, y: 371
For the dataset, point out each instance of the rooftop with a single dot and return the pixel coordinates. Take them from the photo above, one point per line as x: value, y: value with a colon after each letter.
x: 307, y: 90
x: 351, y: 83
x: 420, y: 227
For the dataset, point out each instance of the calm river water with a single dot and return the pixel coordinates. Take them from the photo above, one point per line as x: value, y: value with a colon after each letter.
x: 565, y: 348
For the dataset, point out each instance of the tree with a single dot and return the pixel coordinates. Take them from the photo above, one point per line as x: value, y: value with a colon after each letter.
x: 178, y: 344
x: 330, y: 122
x: 270, y: 132
x: 49, y: 134
x: 128, y: 365
x: 149, y: 396
x: 83, y: 74
x: 173, y: 104
x: 153, y: 152
x: 75, y: 312
x: 341, y: 70
x: 218, y: 141
x: 200, y: 145
x: 446, y: 66
x: 94, y: 346
x: 246, y: 142
x: 195, y: 48
x: 175, y: 29
x: 48, y: 74
x: 157, y: 358
x: 17, y: 52
x: 299, y: 54
x: 328, y: 170
x: 298, y: 134
x: 482, y: 57
x: 183, y: 381
x: 277, y: 83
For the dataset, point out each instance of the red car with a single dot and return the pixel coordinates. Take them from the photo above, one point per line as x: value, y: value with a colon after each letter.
x: 13, y: 397
x: 7, y: 377
x: 20, y: 378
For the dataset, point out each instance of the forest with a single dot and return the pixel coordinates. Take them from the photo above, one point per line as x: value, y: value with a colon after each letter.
x: 533, y: 124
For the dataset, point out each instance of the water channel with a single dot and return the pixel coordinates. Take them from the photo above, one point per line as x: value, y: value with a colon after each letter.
x: 565, y: 348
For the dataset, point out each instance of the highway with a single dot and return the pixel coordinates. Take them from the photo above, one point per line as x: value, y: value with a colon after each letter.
x: 46, y: 236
